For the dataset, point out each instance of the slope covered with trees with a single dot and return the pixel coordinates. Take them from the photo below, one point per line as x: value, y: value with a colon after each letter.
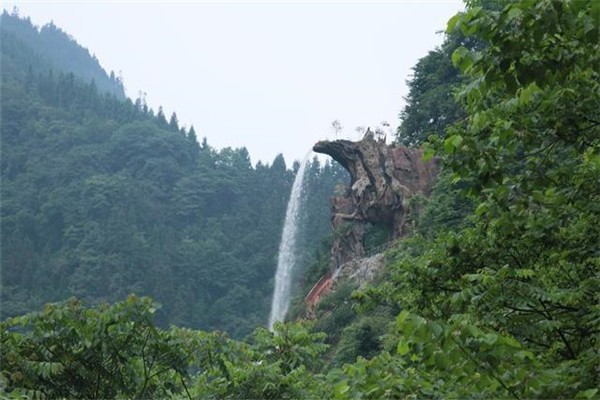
x: 502, y: 303
x: 50, y: 48
x: 430, y: 105
x: 101, y: 198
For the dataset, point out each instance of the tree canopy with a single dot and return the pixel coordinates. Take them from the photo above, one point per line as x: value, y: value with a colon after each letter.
x: 102, y: 198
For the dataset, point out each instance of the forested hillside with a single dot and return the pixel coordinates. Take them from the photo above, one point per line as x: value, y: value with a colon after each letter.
x: 102, y: 198
x: 33, y: 50
x: 495, y: 295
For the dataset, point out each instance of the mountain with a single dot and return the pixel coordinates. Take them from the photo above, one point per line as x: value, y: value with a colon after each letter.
x: 27, y: 49
x: 102, y: 197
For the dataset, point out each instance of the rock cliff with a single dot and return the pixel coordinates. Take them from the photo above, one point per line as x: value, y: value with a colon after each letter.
x: 382, y: 180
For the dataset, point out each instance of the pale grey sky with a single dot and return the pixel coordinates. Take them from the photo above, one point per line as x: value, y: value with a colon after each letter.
x: 270, y: 75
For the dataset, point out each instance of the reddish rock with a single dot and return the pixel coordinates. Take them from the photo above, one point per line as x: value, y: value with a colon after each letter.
x: 321, y: 288
x: 382, y: 180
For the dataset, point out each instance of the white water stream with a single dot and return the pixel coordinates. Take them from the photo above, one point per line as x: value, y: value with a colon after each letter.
x: 287, y: 250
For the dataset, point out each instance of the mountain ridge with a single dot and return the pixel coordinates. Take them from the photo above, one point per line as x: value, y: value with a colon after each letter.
x: 53, y: 49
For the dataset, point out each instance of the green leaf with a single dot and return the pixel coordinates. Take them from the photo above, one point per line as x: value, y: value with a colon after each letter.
x: 436, y: 328
x: 490, y: 338
x: 528, y: 93
x: 455, y: 179
x: 513, y: 13
x: 482, y: 208
x: 340, y: 389
x: 403, y: 346
x: 451, y: 143
x: 451, y: 25
x: 587, y: 394
x: 428, y: 153
x: 401, y: 318
x: 459, y: 55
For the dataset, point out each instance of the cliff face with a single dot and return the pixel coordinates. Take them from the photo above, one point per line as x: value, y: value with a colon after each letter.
x: 382, y: 180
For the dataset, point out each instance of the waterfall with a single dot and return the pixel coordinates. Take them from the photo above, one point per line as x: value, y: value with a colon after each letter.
x: 287, y: 250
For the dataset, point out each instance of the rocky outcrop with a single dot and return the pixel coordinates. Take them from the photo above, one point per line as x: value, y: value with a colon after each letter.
x: 359, y: 271
x: 382, y: 180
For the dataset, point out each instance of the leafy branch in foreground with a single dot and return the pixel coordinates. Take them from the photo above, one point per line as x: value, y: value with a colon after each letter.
x: 69, y: 351
x: 511, y: 299
x: 116, y: 351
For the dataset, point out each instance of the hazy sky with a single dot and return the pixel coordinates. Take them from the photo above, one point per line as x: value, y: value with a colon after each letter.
x: 270, y: 75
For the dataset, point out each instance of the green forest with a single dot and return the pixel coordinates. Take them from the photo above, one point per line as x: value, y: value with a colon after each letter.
x: 103, y: 197
x: 137, y: 261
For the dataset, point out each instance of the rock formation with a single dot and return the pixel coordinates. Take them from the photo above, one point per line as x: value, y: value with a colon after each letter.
x: 382, y: 180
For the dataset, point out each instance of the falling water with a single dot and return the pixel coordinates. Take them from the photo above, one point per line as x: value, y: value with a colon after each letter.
x: 287, y: 250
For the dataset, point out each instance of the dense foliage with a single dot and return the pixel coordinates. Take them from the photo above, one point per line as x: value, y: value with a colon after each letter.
x: 68, y: 351
x: 502, y: 303
x: 76, y: 352
x: 101, y: 198
x: 430, y: 105
x: 507, y: 306
x: 34, y: 50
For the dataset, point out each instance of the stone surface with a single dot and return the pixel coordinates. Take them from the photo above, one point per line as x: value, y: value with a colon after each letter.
x: 382, y: 180
x: 361, y: 271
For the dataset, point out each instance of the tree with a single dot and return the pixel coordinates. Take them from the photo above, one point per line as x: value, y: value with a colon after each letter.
x: 69, y: 351
x: 161, y: 119
x: 275, y: 365
x: 336, y: 127
x: 529, y: 154
x: 430, y: 104
x: 51, y: 48
x: 174, y: 122
x: 508, y: 303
